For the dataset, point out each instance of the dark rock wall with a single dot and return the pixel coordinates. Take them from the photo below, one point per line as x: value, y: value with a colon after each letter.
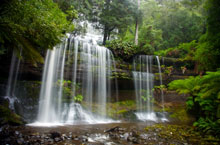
x: 28, y: 86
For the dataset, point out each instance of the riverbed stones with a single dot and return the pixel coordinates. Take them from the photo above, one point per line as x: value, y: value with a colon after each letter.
x: 55, y: 134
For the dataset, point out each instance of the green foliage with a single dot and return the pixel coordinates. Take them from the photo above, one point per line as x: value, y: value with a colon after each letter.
x: 160, y: 88
x: 7, y: 116
x: 188, y: 86
x: 168, y: 70
x: 179, y: 24
x: 121, y: 75
x: 122, y: 109
x: 146, y: 96
x: 166, y: 24
x: 66, y: 86
x: 208, y: 52
x: 126, y: 103
x: 204, y: 101
x: 150, y: 39
x: 206, y: 56
x: 185, y: 51
x: 207, y: 125
x: 180, y: 113
x: 180, y: 133
x: 121, y: 49
x: 70, y: 90
x: 78, y: 98
x: 31, y: 26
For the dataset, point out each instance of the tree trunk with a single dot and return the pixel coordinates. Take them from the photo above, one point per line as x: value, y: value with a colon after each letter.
x: 137, y: 26
x: 106, y: 28
x: 109, y: 33
x: 105, y: 35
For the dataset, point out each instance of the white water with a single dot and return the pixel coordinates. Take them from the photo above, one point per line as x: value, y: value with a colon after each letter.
x: 161, y: 89
x: 12, y: 81
x: 144, y: 83
x: 91, y: 69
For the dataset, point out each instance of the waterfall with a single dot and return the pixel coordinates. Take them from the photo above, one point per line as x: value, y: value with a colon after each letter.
x: 12, y: 81
x: 80, y: 63
x: 50, y: 95
x: 144, y: 78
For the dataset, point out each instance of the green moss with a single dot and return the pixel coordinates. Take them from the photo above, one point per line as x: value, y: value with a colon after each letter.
x: 7, y: 116
x: 119, y: 110
x: 121, y: 75
x: 181, y: 114
x: 180, y: 133
x: 122, y: 111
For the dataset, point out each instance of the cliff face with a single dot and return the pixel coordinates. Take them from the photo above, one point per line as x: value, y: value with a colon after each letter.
x: 172, y: 69
x: 29, y: 77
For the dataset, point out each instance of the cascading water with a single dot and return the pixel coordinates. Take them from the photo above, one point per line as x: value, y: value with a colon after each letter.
x: 144, y: 83
x: 161, y: 89
x: 12, y: 80
x: 87, y: 65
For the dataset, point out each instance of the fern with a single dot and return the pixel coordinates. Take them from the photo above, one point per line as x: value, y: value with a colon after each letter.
x: 204, y: 99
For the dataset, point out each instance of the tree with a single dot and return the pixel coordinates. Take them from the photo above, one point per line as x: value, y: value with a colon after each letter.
x: 150, y: 39
x: 208, y: 51
x: 31, y: 27
x: 115, y: 14
x: 137, y: 25
x: 179, y: 24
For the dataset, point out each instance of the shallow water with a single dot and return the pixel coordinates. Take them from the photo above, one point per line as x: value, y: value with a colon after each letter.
x: 104, y: 134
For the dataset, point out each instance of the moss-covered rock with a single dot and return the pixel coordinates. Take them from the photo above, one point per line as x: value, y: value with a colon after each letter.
x: 180, y: 133
x: 9, y: 117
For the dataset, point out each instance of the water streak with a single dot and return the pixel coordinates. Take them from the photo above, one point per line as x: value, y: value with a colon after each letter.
x: 89, y: 68
x: 12, y: 81
x: 144, y: 78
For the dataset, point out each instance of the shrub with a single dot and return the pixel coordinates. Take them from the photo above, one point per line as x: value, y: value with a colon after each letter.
x: 121, y: 49
x: 204, y: 100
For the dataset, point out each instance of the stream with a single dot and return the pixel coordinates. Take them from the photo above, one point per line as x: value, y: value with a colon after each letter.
x: 102, y: 134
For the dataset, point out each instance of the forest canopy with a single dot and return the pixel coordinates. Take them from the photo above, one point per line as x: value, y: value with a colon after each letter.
x: 149, y: 26
x: 28, y: 27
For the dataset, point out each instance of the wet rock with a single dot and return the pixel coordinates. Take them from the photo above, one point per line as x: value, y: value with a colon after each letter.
x: 55, y: 134
x: 43, y: 136
x: 46, y: 137
x: 70, y: 134
x: 42, y: 141
x: 50, y: 140
x: 126, y: 135
x: 121, y: 136
x: 134, y: 133
x: 64, y: 137
x: 17, y: 133
x: 84, y: 138
x: 112, y: 129
x: 121, y: 129
x: 35, y: 134
x: 57, y: 139
x: 20, y: 141
x: 133, y: 140
x: 114, y: 136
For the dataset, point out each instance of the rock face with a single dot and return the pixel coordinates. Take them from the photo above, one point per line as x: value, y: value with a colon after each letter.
x: 29, y: 77
x: 8, y: 116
